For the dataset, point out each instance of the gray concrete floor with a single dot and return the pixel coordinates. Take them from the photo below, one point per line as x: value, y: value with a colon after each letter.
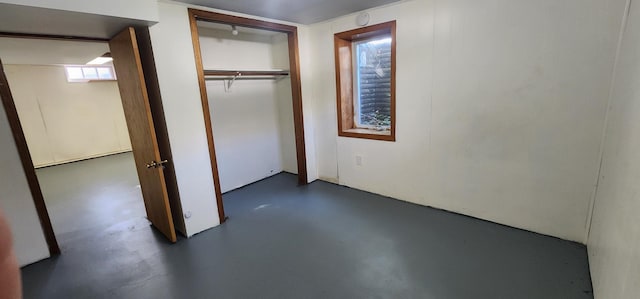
x: 316, y: 241
x: 92, y: 194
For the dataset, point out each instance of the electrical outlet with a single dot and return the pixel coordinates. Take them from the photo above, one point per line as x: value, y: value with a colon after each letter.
x: 358, y: 160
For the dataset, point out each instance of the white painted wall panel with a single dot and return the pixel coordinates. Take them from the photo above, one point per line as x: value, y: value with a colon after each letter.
x: 64, y: 121
x: 246, y: 132
x: 500, y: 109
x: 614, y: 241
x: 305, y: 46
x: 176, y: 66
x: 16, y: 202
x: 253, y: 120
x: 284, y: 103
x: 519, y: 101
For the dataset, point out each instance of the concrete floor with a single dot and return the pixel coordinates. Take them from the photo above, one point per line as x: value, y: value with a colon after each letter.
x: 317, y: 241
x: 92, y: 194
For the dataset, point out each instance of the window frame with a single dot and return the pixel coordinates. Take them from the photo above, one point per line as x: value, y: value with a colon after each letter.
x: 344, y: 64
x: 85, y: 79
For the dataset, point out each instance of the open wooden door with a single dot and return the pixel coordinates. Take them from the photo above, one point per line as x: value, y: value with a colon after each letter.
x: 137, y: 110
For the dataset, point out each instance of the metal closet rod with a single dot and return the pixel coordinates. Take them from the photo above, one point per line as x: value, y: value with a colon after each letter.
x: 241, y: 78
x: 245, y: 73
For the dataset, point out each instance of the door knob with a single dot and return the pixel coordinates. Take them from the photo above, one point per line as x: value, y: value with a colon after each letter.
x: 155, y: 164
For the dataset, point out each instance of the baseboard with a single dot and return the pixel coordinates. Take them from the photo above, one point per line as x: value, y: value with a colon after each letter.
x: 330, y: 180
x: 80, y: 159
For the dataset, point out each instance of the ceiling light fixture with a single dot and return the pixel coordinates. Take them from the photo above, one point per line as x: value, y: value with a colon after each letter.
x: 106, y: 57
x: 234, y: 30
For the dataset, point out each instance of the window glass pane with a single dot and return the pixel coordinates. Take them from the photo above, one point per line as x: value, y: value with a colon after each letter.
x: 105, y: 73
x: 90, y: 73
x: 74, y: 73
x: 373, y: 79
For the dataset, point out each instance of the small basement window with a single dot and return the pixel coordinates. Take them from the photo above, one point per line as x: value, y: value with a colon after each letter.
x: 365, y: 77
x: 84, y: 73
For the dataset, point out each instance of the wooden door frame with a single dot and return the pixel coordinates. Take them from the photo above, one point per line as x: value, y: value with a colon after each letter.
x: 196, y: 15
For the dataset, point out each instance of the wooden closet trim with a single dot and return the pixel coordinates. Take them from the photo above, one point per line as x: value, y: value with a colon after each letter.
x: 209, y: 16
x: 296, y: 90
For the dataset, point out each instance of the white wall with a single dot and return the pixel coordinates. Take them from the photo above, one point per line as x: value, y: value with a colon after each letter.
x: 49, y: 51
x: 175, y: 63
x: 64, y: 121
x: 16, y: 201
x: 500, y: 109
x: 286, y: 125
x: 614, y: 241
x: 253, y: 120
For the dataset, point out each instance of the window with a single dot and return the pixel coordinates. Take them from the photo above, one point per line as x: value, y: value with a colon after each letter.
x: 365, y: 77
x: 83, y: 73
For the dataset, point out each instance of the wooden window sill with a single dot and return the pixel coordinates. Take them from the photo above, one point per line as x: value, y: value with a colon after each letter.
x: 368, y: 134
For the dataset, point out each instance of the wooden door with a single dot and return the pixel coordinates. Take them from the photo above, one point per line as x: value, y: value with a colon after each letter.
x: 146, y: 153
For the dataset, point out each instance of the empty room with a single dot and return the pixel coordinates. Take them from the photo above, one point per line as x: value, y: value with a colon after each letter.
x: 319, y: 149
x: 67, y: 99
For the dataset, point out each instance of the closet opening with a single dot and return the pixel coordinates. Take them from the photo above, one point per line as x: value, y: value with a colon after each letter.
x: 249, y: 77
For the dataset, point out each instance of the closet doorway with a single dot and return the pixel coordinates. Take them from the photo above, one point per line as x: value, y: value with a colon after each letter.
x: 249, y: 78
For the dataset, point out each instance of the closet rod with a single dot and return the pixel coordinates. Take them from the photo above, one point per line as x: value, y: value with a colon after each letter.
x: 241, y: 78
x: 244, y: 73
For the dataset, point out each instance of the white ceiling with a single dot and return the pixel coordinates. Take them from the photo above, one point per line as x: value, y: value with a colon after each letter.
x: 297, y: 11
x: 40, y: 51
x: 28, y: 19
